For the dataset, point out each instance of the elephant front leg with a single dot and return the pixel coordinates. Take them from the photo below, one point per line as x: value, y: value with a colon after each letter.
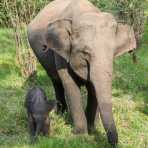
x: 73, y: 97
x: 101, y: 77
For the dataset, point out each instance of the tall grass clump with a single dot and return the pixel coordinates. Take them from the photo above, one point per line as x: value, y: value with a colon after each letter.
x: 24, y: 9
x: 17, y: 14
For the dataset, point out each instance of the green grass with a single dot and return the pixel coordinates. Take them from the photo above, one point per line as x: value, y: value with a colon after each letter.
x: 130, y: 100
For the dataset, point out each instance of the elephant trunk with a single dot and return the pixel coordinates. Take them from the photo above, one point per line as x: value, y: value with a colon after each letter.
x: 101, y: 78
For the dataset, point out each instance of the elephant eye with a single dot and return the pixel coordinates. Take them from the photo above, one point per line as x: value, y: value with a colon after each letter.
x: 45, y: 49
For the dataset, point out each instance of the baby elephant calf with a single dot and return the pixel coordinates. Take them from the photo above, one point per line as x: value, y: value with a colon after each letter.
x: 38, y: 108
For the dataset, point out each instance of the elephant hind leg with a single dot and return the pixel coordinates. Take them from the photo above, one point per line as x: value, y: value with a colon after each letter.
x: 92, y: 111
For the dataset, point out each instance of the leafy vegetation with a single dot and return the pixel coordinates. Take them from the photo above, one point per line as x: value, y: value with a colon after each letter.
x: 23, y: 9
x: 130, y: 100
x: 130, y: 92
x: 26, y: 9
x: 16, y: 14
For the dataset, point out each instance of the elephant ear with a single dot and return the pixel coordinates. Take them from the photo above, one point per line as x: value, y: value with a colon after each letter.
x: 125, y: 39
x: 51, y: 105
x: 58, y: 37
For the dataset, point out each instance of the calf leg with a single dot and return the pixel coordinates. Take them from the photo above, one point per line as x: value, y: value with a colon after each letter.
x: 32, y: 128
x: 46, y: 128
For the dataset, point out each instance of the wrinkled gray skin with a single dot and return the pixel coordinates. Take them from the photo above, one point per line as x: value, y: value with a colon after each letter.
x: 76, y: 44
x: 38, y: 108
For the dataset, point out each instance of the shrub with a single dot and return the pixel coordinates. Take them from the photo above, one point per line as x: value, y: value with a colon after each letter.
x: 23, y: 9
x: 15, y: 13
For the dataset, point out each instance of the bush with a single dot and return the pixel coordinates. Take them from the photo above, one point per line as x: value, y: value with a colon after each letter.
x: 25, y: 10
x: 15, y: 13
x: 22, y: 9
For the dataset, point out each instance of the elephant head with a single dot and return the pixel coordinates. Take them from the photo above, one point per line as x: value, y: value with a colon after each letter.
x: 64, y: 39
x: 58, y: 36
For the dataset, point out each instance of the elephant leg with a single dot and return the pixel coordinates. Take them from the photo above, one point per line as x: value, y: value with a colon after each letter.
x: 92, y: 113
x: 60, y: 96
x: 46, y: 128
x: 73, y: 97
x: 101, y: 77
x: 32, y: 128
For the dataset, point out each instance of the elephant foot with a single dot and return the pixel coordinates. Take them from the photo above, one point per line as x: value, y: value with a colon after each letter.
x: 114, y: 146
x: 112, y: 138
x: 91, y: 129
x: 78, y: 131
x: 33, y: 140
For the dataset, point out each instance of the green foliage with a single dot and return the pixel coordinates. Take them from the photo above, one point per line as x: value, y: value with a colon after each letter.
x: 22, y: 9
x: 130, y: 93
x: 130, y: 101
x: 104, y: 4
x: 27, y: 9
x: 132, y: 12
x: 127, y: 75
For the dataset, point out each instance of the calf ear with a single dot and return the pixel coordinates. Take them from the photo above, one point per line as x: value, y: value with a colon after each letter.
x: 51, y: 105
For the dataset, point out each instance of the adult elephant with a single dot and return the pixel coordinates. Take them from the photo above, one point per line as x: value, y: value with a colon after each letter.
x: 76, y: 44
